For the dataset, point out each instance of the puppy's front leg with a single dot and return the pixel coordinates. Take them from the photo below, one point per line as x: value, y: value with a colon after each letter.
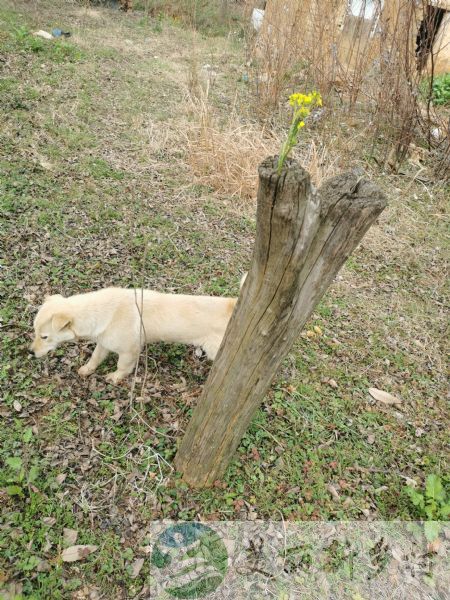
x: 125, y: 366
x: 98, y: 356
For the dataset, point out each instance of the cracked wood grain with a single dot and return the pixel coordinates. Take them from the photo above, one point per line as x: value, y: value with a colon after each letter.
x: 303, y: 237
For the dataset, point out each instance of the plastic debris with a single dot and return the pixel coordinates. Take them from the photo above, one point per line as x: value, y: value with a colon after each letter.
x: 257, y: 18
x: 43, y: 34
x: 60, y: 33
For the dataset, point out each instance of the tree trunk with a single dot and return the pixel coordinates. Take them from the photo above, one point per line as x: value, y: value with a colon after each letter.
x: 303, y: 238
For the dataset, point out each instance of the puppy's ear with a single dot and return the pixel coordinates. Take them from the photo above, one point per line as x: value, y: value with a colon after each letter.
x: 61, y: 321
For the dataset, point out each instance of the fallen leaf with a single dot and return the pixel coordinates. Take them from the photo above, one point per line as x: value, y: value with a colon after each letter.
x: 60, y: 478
x: 17, y: 406
x: 397, y: 554
x: 332, y: 383
x: 136, y: 567
x: 47, y: 546
x: 43, y: 34
x: 43, y: 566
x: 69, y: 536
x: 370, y: 438
x: 434, y: 546
x: 74, y: 553
x: 333, y: 492
x: 45, y: 164
x: 384, y: 397
x: 49, y: 521
x: 117, y: 413
x: 411, y: 482
x: 3, y: 577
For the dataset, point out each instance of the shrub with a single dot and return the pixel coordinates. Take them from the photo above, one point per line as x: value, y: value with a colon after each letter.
x: 224, y: 154
x: 355, y: 62
x: 441, y: 90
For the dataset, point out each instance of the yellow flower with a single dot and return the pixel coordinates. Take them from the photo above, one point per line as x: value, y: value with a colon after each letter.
x: 299, y: 100
x: 302, y: 105
x: 302, y: 112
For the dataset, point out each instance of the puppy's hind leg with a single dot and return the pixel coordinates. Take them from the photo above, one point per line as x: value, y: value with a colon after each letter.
x: 125, y: 365
x: 211, y: 347
x: 98, y: 356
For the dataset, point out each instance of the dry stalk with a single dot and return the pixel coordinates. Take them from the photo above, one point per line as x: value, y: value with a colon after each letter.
x: 356, y: 62
x: 225, y: 154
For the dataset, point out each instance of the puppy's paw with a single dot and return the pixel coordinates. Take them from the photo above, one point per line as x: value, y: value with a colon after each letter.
x: 85, y: 370
x: 114, y: 377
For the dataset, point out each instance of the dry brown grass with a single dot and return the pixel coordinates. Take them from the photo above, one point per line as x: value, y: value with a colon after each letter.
x: 354, y: 62
x: 403, y: 112
x: 225, y: 154
x: 383, y: 320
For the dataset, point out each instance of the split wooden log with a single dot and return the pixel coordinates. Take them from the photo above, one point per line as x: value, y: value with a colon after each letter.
x: 303, y: 238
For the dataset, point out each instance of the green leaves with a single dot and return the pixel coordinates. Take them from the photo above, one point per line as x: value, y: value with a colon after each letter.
x: 431, y: 530
x: 19, y: 475
x: 33, y: 474
x: 416, y: 498
x: 438, y: 89
x: 14, y: 462
x: 432, y: 505
x: 441, y: 90
x: 14, y: 490
x: 27, y: 435
x: 434, y: 489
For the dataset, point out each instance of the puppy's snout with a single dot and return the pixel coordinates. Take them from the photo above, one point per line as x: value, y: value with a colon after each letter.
x: 32, y: 350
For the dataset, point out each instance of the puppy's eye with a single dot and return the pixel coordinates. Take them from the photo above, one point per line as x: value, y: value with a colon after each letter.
x: 44, y: 337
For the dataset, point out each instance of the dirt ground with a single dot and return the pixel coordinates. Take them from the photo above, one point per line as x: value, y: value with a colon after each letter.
x: 96, y: 190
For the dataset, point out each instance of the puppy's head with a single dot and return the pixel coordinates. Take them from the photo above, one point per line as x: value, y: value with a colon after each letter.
x: 52, y: 326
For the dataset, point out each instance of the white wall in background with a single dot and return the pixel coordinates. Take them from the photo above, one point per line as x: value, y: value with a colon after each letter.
x: 367, y: 9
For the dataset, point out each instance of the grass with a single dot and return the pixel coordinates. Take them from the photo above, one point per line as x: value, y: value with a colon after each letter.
x: 209, y: 17
x: 96, y: 190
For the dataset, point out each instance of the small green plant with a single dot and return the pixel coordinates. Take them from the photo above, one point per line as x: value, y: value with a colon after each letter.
x: 441, y: 90
x: 21, y: 33
x: 438, y: 90
x: 302, y: 104
x: 59, y: 51
x: 433, y: 505
x: 17, y: 478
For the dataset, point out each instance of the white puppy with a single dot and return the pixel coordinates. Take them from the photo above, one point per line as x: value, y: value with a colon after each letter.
x: 121, y: 320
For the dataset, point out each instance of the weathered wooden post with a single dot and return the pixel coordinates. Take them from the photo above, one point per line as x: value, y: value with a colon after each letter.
x: 303, y: 237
